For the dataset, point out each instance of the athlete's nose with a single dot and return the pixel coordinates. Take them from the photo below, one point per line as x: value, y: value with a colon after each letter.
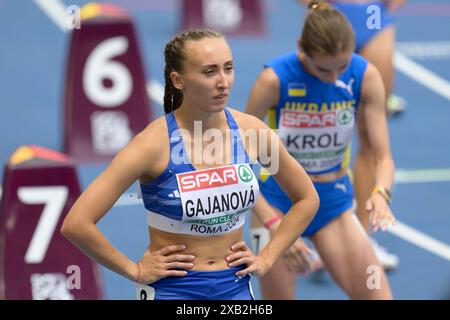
x: 224, y: 81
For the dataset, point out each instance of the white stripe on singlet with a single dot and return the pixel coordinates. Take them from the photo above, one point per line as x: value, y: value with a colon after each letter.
x: 163, y: 223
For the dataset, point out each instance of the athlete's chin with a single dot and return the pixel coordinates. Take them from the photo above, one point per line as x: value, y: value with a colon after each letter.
x: 217, y: 107
x: 328, y: 80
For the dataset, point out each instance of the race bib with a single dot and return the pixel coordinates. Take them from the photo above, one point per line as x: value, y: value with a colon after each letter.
x: 215, y: 200
x: 317, y: 140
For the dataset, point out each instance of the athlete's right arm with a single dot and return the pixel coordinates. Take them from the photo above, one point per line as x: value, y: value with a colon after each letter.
x: 264, y: 95
x: 298, y: 187
x: 294, y: 181
x: 139, y: 158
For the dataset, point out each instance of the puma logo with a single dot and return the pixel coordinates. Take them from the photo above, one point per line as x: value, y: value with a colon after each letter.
x: 340, y: 186
x: 348, y: 87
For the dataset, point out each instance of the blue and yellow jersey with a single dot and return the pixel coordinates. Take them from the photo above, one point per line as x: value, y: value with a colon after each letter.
x: 315, y: 120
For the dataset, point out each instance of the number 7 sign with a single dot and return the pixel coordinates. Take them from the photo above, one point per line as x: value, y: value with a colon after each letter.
x: 38, y: 191
x: 54, y: 198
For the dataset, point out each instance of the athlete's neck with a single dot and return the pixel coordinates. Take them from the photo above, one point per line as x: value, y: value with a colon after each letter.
x: 188, y: 116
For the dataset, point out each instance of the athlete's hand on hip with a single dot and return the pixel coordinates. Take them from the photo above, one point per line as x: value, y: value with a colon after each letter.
x: 164, y: 263
x: 256, y: 265
x: 380, y: 215
x: 296, y: 258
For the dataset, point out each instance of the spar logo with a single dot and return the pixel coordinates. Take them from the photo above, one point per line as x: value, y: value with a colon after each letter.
x: 298, y: 119
x: 209, y: 178
x: 245, y: 173
x: 345, y: 117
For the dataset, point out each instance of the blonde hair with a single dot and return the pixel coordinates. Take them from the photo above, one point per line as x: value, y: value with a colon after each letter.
x: 326, y: 31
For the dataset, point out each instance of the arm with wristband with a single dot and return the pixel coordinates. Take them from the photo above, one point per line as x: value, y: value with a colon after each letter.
x: 265, y: 93
x: 265, y: 213
x: 297, y: 256
x: 374, y: 112
x: 269, y: 223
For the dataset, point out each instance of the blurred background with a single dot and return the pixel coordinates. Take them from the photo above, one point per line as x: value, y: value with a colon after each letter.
x: 34, y: 57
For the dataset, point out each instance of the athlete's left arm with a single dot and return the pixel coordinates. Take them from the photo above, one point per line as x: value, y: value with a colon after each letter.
x: 298, y: 187
x: 374, y: 113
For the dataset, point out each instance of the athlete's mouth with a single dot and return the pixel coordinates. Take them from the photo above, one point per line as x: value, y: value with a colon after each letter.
x: 221, y: 96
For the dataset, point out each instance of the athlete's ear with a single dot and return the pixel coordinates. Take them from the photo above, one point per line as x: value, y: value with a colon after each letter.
x: 177, y: 80
x: 299, y: 44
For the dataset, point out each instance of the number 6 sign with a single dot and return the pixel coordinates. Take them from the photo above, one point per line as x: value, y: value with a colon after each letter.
x: 105, y: 99
x: 39, y: 188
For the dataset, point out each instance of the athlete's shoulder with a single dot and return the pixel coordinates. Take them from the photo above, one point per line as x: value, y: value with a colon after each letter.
x: 252, y: 128
x: 372, y: 84
x: 155, y: 136
x: 247, y: 121
x: 269, y: 79
x: 156, y: 126
x: 371, y: 73
x: 356, y: 70
x: 358, y: 61
x: 142, y: 156
x: 150, y: 148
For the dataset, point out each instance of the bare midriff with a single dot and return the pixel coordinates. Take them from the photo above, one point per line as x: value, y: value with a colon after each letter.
x: 209, y: 252
x: 330, y: 176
